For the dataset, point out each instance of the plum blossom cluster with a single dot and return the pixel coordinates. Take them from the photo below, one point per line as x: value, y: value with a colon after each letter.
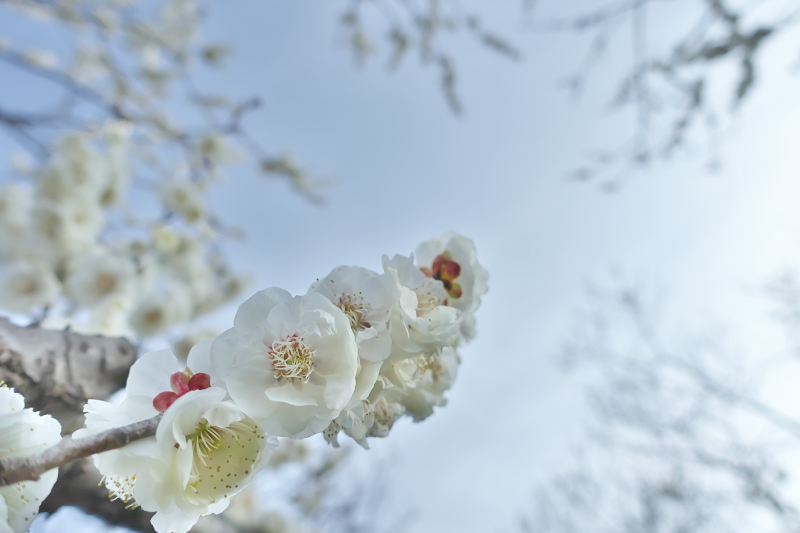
x: 60, y: 251
x: 355, y: 353
x: 105, y: 225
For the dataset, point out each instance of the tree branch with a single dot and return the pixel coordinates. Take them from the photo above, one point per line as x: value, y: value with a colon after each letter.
x: 57, y: 371
x: 67, y: 450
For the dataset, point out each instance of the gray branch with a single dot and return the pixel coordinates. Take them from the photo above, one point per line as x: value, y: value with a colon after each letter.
x: 68, y: 449
x: 58, y: 371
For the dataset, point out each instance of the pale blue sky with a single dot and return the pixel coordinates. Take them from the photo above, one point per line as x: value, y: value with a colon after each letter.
x: 406, y: 169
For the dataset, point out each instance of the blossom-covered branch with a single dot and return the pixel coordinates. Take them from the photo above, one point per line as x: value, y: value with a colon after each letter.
x: 31, y: 468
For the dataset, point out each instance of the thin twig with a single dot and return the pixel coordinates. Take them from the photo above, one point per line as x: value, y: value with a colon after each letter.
x: 68, y: 449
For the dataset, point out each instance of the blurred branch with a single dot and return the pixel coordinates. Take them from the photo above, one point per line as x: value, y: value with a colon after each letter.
x: 421, y: 27
x: 57, y: 371
x: 668, y: 93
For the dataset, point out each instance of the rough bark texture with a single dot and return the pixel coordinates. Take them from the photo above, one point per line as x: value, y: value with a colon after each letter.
x: 57, y: 371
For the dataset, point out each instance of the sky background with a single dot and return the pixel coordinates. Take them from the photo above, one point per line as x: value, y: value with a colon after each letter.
x: 406, y: 169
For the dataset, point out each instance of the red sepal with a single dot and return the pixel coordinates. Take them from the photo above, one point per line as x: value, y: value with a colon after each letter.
x: 164, y: 400
x: 180, y: 383
x: 200, y: 381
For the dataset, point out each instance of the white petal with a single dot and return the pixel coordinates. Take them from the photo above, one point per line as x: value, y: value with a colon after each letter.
x: 149, y: 375
x: 23, y: 500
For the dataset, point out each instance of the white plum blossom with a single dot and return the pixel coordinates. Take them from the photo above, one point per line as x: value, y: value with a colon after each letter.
x: 453, y: 259
x: 69, y: 226
x: 76, y: 171
x: 421, y: 319
x: 162, y: 309
x: 373, y: 417
x: 100, y: 277
x: 109, y: 318
x: 363, y: 297
x: 216, y: 148
x: 25, y: 286
x: 24, y: 432
x: 185, y: 198
x: 422, y: 381
x: 288, y: 362
x: 15, y: 203
x: 165, y: 240
x: 385, y: 414
x: 204, y: 452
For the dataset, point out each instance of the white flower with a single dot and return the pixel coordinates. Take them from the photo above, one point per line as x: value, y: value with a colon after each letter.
x: 420, y: 319
x: 385, y: 414
x: 71, y: 226
x: 290, y: 363
x: 215, y: 147
x: 77, y: 170
x: 96, y: 278
x: 108, y: 318
x: 118, y: 173
x: 25, y: 286
x: 204, y: 452
x: 185, y: 345
x: 165, y: 240
x: 185, y: 198
x: 15, y: 202
x: 452, y: 258
x: 422, y: 381
x: 191, y: 262
x: 161, y: 309
x: 356, y: 422
x: 373, y: 417
x: 363, y: 297
x: 24, y: 432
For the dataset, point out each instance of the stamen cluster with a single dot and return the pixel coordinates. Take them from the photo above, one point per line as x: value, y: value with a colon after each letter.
x: 292, y: 359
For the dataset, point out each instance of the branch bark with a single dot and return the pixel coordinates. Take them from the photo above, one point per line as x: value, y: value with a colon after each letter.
x: 57, y: 371
x: 68, y: 449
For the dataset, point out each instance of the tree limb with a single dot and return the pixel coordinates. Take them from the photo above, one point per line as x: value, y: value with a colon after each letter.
x: 68, y: 449
x: 57, y: 371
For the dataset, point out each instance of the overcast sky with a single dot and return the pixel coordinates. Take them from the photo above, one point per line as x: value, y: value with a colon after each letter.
x: 407, y: 169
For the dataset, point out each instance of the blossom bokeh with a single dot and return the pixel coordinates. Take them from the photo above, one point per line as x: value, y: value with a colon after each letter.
x: 401, y: 167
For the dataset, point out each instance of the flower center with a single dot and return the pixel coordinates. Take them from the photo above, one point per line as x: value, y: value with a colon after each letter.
x: 445, y: 270
x: 431, y: 363
x: 292, y: 359
x: 426, y: 301
x: 25, y: 286
x: 121, y: 489
x: 106, y: 283
x: 355, y: 312
x: 223, y: 459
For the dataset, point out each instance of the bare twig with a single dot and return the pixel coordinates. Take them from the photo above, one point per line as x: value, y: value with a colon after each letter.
x: 68, y: 449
